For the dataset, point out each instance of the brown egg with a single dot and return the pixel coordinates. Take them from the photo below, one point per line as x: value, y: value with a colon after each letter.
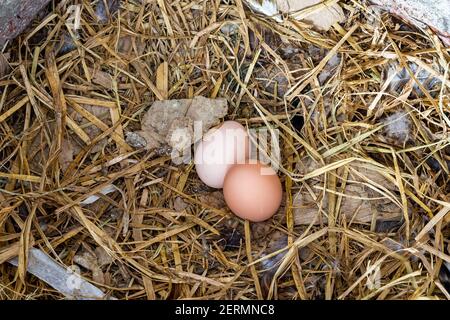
x: 252, y: 191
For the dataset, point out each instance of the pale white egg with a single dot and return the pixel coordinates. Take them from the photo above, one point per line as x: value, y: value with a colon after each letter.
x: 219, y: 150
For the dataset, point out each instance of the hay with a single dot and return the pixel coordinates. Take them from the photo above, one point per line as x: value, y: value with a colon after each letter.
x: 68, y: 99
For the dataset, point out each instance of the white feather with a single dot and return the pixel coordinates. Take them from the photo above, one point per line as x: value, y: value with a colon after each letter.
x: 398, y: 126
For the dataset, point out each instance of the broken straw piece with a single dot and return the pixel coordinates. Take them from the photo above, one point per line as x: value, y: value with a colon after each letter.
x: 104, y: 191
x: 61, y: 278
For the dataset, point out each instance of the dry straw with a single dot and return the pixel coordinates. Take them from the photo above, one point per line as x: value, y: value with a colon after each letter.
x: 68, y: 97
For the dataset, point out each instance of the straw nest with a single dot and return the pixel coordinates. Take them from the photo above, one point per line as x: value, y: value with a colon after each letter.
x: 364, y: 154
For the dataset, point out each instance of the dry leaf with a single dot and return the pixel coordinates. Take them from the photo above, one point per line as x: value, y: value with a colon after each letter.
x: 103, y: 258
x: 101, y: 78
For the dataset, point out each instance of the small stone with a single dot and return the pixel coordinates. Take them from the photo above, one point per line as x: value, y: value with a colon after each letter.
x: 135, y: 140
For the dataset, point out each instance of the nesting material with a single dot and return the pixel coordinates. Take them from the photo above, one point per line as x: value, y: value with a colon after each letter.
x: 330, y: 69
x: 356, y: 199
x: 400, y: 77
x: 273, y: 80
x: 94, y: 261
x: 359, y: 205
x: 444, y: 275
x: 278, y: 241
x: 366, y: 197
x: 89, y: 261
x: 73, y: 144
x: 67, y: 43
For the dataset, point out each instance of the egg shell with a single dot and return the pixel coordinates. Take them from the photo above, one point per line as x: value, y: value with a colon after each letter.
x: 252, y: 191
x: 219, y: 150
